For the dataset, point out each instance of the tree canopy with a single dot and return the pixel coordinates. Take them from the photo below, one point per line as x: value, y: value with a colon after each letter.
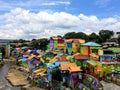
x: 101, y: 37
x: 105, y: 34
x: 40, y: 43
x: 73, y: 35
x: 95, y: 38
x: 69, y: 35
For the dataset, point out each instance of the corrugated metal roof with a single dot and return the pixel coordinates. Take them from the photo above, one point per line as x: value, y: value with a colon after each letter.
x: 90, y: 44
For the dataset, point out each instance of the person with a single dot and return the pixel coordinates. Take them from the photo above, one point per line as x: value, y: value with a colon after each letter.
x: 3, y: 52
x: 80, y: 77
x: 112, y: 76
x: 1, y: 56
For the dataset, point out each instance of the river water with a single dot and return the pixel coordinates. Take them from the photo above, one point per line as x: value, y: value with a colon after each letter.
x: 4, y: 84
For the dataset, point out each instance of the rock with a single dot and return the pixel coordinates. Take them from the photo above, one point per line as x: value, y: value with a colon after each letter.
x: 26, y: 86
x: 29, y: 87
x: 16, y: 77
x: 19, y: 78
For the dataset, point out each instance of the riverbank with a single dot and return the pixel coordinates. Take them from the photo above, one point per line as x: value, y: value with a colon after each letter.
x: 4, y: 84
x: 16, y: 77
x: 19, y: 78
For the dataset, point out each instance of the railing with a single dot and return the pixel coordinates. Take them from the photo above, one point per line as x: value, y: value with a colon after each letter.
x: 91, y: 84
x: 116, y: 80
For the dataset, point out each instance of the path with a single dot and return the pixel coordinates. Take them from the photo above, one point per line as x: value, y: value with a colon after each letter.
x: 4, y: 84
x: 110, y: 86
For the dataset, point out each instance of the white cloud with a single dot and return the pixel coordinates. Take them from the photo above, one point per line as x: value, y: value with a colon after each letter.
x: 32, y: 5
x: 49, y: 4
x: 20, y: 23
x: 56, y: 3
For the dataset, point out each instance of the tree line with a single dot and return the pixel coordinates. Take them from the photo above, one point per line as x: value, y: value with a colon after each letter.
x: 101, y: 37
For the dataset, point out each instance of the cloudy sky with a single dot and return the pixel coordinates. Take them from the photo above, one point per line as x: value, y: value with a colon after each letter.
x: 28, y: 19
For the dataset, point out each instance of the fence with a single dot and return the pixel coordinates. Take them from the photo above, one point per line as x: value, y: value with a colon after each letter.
x: 92, y: 82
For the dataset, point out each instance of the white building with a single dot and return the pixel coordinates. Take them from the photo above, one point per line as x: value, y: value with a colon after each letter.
x: 116, y: 34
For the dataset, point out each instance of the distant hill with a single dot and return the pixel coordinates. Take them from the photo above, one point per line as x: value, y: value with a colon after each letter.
x: 5, y: 40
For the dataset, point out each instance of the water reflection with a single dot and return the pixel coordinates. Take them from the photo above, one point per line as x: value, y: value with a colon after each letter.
x: 4, y: 84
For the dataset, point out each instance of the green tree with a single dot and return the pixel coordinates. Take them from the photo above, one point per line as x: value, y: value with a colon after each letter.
x: 21, y: 40
x: 81, y: 35
x: 34, y: 43
x: 69, y: 35
x: 105, y: 34
x: 59, y: 36
x: 78, y: 35
x: 95, y: 38
x: 43, y: 43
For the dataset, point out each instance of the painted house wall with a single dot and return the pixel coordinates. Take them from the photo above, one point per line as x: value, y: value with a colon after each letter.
x: 60, y: 43
x: 75, y: 47
x: 55, y: 44
x: 74, y: 77
x: 69, y: 47
x: 100, y: 52
x: 106, y: 58
x: 51, y: 43
x: 84, y: 50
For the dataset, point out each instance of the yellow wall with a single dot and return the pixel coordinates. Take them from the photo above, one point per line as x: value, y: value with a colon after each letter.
x: 100, y: 52
x: 82, y: 41
x: 75, y: 47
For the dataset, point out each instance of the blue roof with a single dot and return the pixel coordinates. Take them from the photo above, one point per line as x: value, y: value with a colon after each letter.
x: 90, y: 44
x: 53, y: 65
x: 23, y: 59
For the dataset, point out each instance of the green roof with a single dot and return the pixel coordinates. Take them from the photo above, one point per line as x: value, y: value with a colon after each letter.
x: 92, y: 62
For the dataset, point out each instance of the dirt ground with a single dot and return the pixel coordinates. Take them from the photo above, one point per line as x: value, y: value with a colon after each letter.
x: 19, y: 78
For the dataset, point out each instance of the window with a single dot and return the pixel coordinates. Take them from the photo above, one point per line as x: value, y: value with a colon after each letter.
x: 108, y: 52
x: 95, y: 51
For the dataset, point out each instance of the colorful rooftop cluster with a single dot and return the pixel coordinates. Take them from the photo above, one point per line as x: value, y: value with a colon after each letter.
x: 71, y: 57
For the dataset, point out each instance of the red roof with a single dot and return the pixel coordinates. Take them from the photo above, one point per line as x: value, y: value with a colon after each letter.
x: 65, y: 66
x: 36, y: 62
x: 81, y: 57
x: 76, y: 40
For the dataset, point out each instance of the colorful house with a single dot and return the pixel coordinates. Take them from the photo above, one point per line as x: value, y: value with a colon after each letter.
x: 61, y: 57
x: 109, y: 63
x: 69, y: 46
x: 89, y: 47
x: 95, y: 67
x: 56, y: 43
x: 50, y: 68
x: 40, y: 71
x: 70, y: 72
x: 51, y: 43
x: 80, y: 59
x: 60, y: 43
x: 73, y: 45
